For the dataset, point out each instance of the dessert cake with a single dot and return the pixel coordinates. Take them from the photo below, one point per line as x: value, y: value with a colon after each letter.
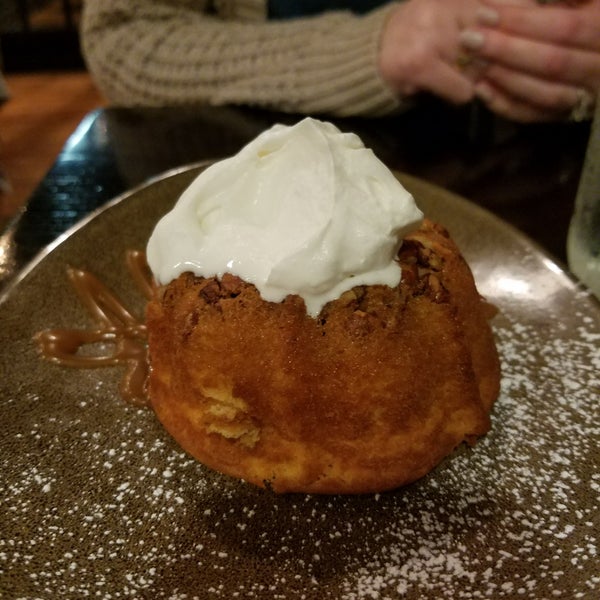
x: 351, y: 382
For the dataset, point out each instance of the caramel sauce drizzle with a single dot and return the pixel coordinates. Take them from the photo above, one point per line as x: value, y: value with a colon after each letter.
x: 116, y: 328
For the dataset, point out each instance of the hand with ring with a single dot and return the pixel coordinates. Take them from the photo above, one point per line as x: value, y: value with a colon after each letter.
x: 543, y: 61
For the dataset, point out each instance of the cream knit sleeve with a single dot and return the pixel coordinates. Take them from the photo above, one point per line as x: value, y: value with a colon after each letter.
x: 172, y: 52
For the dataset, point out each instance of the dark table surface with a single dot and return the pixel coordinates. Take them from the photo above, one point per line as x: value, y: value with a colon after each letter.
x: 525, y: 174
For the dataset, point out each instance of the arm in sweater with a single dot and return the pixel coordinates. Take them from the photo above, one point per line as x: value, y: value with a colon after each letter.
x: 144, y: 52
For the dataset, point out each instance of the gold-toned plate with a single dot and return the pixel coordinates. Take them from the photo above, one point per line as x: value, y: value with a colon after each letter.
x: 98, y: 501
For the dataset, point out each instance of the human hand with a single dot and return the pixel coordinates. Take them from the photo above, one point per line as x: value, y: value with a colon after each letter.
x: 420, y: 46
x: 543, y: 61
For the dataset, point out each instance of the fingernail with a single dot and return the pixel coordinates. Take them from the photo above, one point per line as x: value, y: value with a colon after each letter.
x: 484, y: 92
x: 488, y: 16
x: 473, y: 40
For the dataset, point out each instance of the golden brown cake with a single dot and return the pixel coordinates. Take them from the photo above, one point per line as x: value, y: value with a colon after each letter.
x: 370, y: 395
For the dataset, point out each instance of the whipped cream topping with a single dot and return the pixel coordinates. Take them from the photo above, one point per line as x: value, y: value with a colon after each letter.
x: 304, y: 210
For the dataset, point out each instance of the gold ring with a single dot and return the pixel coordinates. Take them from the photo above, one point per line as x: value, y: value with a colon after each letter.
x: 463, y: 60
x: 583, y: 110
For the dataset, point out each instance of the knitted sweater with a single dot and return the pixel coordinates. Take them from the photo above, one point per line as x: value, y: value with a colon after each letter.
x: 175, y: 52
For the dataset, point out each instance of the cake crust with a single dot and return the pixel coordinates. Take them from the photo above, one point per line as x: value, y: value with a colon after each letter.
x: 369, y: 396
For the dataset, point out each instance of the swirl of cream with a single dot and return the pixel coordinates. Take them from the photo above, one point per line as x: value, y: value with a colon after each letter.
x: 304, y: 210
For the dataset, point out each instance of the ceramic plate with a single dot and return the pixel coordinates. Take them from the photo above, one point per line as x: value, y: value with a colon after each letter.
x: 98, y: 501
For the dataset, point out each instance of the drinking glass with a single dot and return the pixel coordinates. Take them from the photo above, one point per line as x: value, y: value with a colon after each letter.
x: 583, y: 240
